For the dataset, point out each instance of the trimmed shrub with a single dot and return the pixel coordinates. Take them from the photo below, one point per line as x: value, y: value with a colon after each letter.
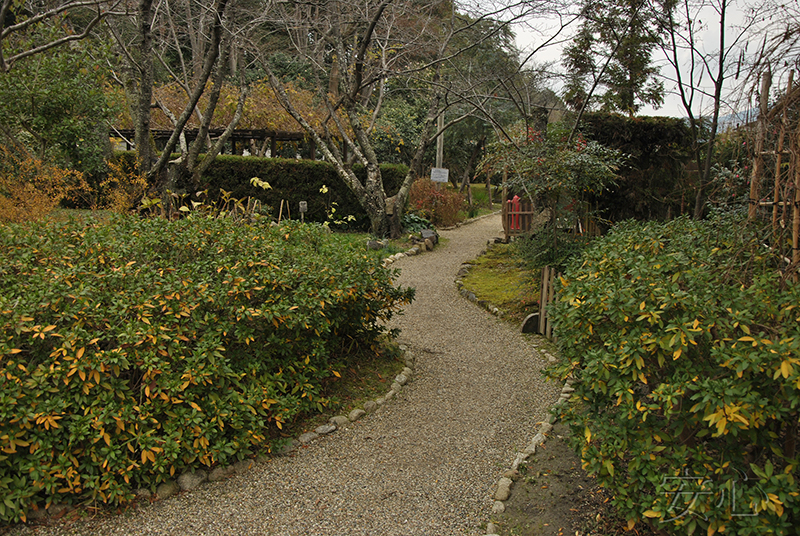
x: 135, y: 348
x: 684, y: 340
x: 292, y: 181
x: 437, y: 204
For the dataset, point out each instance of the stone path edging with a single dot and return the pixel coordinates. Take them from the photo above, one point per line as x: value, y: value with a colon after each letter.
x: 505, y: 483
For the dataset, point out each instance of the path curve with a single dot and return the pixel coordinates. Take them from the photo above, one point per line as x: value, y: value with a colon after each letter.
x: 424, y: 464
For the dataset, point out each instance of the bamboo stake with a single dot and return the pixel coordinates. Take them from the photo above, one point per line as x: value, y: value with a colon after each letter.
x: 758, y: 158
x: 543, y: 299
x: 779, y: 155
x: 796, y: 222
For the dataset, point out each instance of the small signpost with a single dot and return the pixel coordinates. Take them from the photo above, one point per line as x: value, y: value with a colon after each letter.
x: 303, y: 210
x: 440, y: 174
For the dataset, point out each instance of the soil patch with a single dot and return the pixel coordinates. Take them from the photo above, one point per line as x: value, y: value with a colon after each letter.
x: 553, y: 496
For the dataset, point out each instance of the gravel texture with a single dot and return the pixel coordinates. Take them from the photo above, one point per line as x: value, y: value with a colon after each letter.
x: 425, y: 463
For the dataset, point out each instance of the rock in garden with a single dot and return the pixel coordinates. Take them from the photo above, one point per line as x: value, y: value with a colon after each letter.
x: 339, y: 421
x: 374, y: 244
x: 407, y: 372
x: 356, y: 414
x: 325, y: 429
x: 167, y: 489
x: 396, y: 387
x: 498, y: 507
x: 308, y: 437
x: 503, y: 489
x: 191, y: 479
x: 243, y: 465
x: 429, y: 244
x: 401, y: 379
x: 370, y: 406
x: 220, y: 473
x: 428, y: 234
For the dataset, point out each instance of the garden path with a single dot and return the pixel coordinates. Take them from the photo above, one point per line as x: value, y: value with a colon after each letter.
x: 425, y: 463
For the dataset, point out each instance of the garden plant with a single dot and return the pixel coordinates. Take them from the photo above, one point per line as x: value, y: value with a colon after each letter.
x: 683, y: 339
x: 135, y: 348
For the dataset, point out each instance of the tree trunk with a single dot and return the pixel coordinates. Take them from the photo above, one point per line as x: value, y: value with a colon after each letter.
x: 145, y: 89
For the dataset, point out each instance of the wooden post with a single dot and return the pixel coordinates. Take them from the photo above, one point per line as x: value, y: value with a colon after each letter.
x: 543, y: 300
x: 504, y: 205
x: 758, y: 157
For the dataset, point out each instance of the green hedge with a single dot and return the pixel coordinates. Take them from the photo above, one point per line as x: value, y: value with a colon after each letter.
x: 293, y: 181
x: 684, y: 339
x: 135, y: 348
x: 652, y: 184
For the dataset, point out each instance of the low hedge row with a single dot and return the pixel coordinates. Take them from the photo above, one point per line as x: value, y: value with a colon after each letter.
x: 684, y: 338
x: 132, y: 349
x: 292, y: 181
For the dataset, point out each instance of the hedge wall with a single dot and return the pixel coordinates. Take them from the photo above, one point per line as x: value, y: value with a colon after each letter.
x: 293, y: 181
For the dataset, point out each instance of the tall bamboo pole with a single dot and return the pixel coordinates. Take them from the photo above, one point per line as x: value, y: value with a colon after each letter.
x: 758, y: 157
x: 779, y: 155
x: 796, y: 208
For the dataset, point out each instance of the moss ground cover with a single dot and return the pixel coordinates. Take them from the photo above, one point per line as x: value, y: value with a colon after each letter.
x: 500, y: 278
x: 132, y: 348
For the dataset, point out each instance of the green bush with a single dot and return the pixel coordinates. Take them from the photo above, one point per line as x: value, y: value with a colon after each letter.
x: 133, y: 349
x: 684, y: 340
x: 292, y: 181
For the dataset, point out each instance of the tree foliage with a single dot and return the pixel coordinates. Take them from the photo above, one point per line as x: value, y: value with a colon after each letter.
x: 613, y: 48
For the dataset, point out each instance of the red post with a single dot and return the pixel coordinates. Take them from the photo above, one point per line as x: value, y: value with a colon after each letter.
x: 515, y: 209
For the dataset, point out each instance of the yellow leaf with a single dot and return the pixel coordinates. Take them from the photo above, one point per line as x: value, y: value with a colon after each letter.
x: 15, y: 351
x: 649, y: 513
x: 677, y: 353
x: 631, y: 524
x: 588, y: 435
x: 195, y: 406
x: 786, y: 369
x: 336, y: 374
x: 745, y: 329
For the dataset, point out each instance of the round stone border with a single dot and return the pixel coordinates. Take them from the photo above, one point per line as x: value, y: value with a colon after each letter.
x: 506, y: 482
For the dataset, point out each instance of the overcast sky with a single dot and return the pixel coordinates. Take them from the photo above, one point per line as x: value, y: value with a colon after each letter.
x: 708, y: 40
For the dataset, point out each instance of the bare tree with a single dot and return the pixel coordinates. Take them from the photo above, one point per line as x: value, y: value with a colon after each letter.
x: 355, y: 50
x: 19, y: 17
x: 693, y: 65
x: 189, y: 43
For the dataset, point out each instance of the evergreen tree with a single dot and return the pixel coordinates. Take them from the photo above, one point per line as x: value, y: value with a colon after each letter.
x: 613, y: 49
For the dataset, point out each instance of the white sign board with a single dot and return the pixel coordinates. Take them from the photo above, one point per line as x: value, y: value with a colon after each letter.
x: 439, y: 174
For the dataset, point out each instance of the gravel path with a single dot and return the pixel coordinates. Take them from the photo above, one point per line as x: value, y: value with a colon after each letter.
x: 425, y: 463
